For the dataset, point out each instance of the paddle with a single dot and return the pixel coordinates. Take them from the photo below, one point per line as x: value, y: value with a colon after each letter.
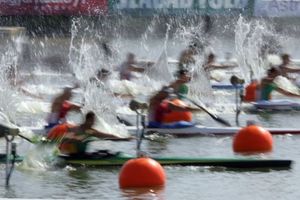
x: 214, y: 116
x: 10, y: 128
x: 25, y: 138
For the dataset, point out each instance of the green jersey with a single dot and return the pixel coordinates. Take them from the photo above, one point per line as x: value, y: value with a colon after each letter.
x: 183, y: 89
x: 267, y: 90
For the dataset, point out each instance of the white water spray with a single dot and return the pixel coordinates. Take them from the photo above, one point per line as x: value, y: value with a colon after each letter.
x: 250, y: 39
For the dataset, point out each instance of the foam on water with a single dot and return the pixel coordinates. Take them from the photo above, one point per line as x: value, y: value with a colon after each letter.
x: 39, y: 158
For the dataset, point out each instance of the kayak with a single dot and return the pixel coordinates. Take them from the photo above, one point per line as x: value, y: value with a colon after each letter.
x: 3, y: 158
x: 277, y: 105
x: 226, y: 86
x: 199, y: 130
x: 119, y: 159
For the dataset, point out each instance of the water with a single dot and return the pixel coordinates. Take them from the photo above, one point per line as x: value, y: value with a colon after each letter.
x: 182, y: 182
x: 40, y: 179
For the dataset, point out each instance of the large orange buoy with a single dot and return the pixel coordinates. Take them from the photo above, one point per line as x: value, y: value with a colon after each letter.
x: 253, y: 139
x: 176, y: 116
x: 141, y: 172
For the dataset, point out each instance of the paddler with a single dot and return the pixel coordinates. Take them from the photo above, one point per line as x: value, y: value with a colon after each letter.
x: 75, y: 141
x: 131, y: 65
x: 180, y: 84
x: 101, y: 76
x: 267, y: 86
x: 186, y: 57
x: 211, y: 64
x: 160, y: 105
x: 286, y: 67
x: 60, y: 108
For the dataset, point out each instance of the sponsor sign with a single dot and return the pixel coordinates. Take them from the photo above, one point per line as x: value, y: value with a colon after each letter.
x: 277, y: 8
x: 53, y: 7
x: 144, y: 7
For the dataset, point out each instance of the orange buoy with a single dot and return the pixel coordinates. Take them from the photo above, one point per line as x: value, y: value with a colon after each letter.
x: 141, y: 172
x: 253, y: 139
x: 176, y: 116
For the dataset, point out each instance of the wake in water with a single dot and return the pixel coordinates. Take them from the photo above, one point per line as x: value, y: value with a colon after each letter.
x: 40, y: 157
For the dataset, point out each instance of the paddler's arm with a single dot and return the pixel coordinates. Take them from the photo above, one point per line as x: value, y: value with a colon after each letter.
x: 134, y: 68
x: 293, y: 69
x: 107, y: 136
x: 145, y: 63
x: 217, y: 66
x: 71, y: 136
x: 74, y: 106
x: 287, y: 93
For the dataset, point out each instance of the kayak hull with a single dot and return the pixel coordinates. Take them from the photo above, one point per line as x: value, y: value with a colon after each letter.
x: 119, y: 160
x: 226, y: 87
x: 273, y: 106
x: 16, y: 159
x: 199, y: 130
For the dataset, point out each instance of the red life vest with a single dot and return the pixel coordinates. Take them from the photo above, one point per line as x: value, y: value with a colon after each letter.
x: 65, y: 108
x: 251, y: 92
x: 176, y: 116
x: 58, y: 131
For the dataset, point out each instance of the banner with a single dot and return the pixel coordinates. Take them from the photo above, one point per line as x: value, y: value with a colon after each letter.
x: 202, y: 7
x: 53, y: 7
x: 277, y: 8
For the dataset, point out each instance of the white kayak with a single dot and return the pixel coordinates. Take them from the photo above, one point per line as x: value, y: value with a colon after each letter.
x: 224, y: 86
x: 276, y: 105
x: 200, y: 130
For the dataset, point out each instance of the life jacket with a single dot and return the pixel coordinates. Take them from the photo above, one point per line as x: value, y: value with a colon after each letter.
x: 65, y: 108
x: 72, y: 147
x: 176, y: 116
x: 251, y: 92
x: 57, y: 132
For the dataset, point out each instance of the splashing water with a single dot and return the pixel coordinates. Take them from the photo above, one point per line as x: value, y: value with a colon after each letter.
x: 39, y: 158
x: 250, y: 39
x: 85, y: 55
x: 8, y: 64
x: 200, y: 87
x: 100, y: 100
x: 192, y: 34
x: 160, y: 73
x: 150, y: 30
x: 85, y: 59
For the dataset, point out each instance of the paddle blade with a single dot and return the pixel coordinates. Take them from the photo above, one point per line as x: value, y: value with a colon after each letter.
x: 221, y: 120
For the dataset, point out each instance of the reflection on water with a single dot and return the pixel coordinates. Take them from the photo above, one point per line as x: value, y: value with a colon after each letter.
x: 80, y: 179
x: 157, y: 144
x: 155, y: 193
x: 10, y: 192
